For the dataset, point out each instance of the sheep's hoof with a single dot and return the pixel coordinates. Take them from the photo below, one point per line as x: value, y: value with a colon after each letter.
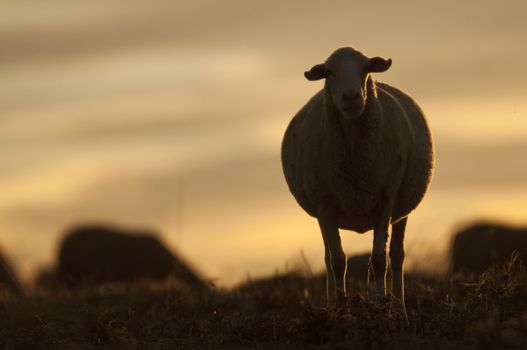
x: 341, y: 304
x: 321, y: 309
x: 334, y: 309
x: 398, y: 308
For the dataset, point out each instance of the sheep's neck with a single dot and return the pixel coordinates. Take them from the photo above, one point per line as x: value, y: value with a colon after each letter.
x: 360, y: 136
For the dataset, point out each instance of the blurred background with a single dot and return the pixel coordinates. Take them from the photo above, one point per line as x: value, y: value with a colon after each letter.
x: 169, y: 115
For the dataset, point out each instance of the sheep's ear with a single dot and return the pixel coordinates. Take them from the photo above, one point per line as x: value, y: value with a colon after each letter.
x: 378, y: 65
x: 317, y: 72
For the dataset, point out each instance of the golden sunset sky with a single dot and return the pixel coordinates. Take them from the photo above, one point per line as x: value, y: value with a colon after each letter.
x: 169, y: 115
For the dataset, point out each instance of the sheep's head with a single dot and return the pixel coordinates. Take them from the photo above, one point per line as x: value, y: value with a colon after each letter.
x: 346, y: 72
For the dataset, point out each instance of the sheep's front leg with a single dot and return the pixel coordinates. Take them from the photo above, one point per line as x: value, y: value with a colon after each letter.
x: 378, y: 256
x: 334, y: 257
x: 397, y: 262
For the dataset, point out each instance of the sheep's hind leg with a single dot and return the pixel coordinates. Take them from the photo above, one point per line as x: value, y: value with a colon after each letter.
x: 330, y: 280
x: 334, y: 257
x: 378, y: 256
x: 397, y: 263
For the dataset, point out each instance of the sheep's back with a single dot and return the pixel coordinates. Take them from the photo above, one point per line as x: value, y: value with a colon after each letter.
x: 92, y: 255
x: 482, y: 245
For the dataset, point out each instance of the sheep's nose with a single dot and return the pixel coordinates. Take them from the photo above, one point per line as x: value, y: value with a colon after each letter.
x: 350, y: 95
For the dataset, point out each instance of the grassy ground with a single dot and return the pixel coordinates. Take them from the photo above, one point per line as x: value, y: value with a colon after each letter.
x: 283, y: 312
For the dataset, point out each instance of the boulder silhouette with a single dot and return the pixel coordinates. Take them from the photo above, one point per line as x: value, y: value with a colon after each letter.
x: 8, y: 279
x: 483, y: 245
x: 357, y: 271
x: 47, y: 278
x: 97, y: 254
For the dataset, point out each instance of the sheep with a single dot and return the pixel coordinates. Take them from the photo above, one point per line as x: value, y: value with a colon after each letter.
x: 479, y: 246
x: 358, y: 156
x: 97, y: 254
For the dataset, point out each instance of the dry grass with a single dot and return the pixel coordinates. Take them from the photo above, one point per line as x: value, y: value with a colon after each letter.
x: 283, y: 312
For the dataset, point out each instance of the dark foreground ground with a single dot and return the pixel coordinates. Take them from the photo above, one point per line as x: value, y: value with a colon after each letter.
x: 459, y: 312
